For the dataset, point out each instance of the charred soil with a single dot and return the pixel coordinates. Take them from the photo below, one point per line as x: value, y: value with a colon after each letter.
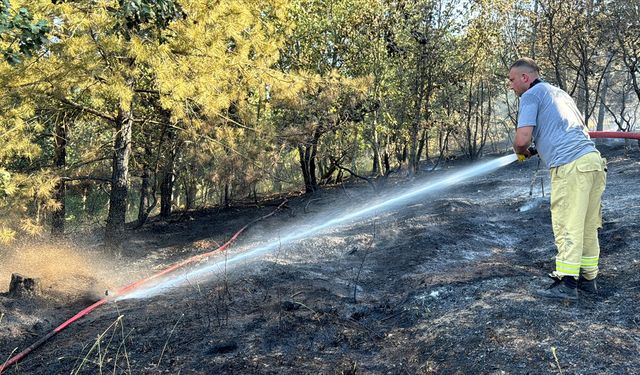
x: 445, y: 284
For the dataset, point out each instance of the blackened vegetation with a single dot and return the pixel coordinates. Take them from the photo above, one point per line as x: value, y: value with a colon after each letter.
x: 23, y: 286
x: 444, y: 285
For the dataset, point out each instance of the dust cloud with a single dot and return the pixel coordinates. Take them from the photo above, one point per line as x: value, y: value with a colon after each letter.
x: 63, y: 270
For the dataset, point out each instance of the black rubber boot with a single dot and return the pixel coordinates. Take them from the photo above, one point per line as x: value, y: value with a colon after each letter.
x: 588, y: 286
x: 565, y: 289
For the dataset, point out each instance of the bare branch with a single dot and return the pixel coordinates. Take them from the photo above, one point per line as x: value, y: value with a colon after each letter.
x: 83, y: 163
x: 84, y: 178
x: 87, y: 109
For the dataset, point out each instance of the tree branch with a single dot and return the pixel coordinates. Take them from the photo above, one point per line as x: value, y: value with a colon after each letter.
x: 87, y: 109
x: 83, y: 163
x: 144, y: 91
x: 90, y: 178
x: 369, y: 180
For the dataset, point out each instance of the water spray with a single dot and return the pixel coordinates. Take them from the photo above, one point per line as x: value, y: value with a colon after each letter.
x: 387, y: 203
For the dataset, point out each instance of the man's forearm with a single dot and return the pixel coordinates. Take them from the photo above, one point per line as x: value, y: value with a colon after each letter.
x: 522, y: 140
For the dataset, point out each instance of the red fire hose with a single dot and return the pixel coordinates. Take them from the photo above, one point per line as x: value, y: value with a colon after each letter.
x: 123, y: 291
x: 626, y: 135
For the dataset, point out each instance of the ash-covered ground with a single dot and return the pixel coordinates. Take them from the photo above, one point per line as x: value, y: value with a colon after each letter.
x: 445, y: 284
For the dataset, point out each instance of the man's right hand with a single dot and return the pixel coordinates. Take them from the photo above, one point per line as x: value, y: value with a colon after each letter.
x: 531, y: 151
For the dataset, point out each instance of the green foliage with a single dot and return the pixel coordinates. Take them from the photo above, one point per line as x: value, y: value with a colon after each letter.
x: 19, y: 28
x: 147, y: 18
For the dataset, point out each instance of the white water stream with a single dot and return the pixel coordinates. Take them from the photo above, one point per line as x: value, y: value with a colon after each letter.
x: 388, y: 202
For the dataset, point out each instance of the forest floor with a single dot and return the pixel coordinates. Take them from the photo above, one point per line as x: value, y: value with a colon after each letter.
x: 445, y: 285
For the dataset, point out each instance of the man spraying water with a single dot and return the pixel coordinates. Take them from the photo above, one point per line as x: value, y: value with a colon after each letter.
x: 550, y: 117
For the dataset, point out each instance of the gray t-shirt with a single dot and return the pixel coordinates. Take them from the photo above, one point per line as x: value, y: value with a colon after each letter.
x: 559, y: 131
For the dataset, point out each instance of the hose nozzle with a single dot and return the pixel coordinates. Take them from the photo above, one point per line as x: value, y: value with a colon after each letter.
x: 531, y: 151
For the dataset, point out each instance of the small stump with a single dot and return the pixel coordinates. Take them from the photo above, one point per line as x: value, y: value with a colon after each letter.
x: 22, y: 286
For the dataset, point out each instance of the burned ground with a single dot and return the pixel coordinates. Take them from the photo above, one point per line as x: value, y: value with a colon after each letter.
x: 442, y: 285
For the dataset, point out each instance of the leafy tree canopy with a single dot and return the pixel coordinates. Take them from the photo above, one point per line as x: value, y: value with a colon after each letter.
x: 20, y: 35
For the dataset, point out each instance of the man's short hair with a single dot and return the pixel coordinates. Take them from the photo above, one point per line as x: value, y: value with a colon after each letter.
x: 526, y: 62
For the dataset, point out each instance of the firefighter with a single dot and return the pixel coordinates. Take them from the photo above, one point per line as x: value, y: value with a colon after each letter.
x: 549, y: 117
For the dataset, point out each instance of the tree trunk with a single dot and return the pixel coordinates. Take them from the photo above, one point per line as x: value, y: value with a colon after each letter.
x: 354, y: 150
x: 441, y: 141
x: 312, y: 167
x: 534, y: 34
x: 398, y: 145
x: 377, y: 155
x: 304, y: 168
x: 227, y: 196
x: 422, y: 143
x: 307, y: 163
x: 603, y: 101
x: 426, y: 146
x: 415, y: 130
x: 418, y: 93
x: 145, y: 191
x: 376, y: 168
x: 168, y: 177
x: 479, y: 134
x: 468, y: 142
x: 404, y: 155
x: 190, y: 191
x: 585, y: 93
x: 119, y: 180
x: 166, y: 192
x: 307, y: 155
x: 277, y: 183
x: 387, y: 162
x: 60, y: 144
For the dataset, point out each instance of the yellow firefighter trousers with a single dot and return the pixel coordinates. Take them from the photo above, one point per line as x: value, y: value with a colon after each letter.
x: 576, y: 214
